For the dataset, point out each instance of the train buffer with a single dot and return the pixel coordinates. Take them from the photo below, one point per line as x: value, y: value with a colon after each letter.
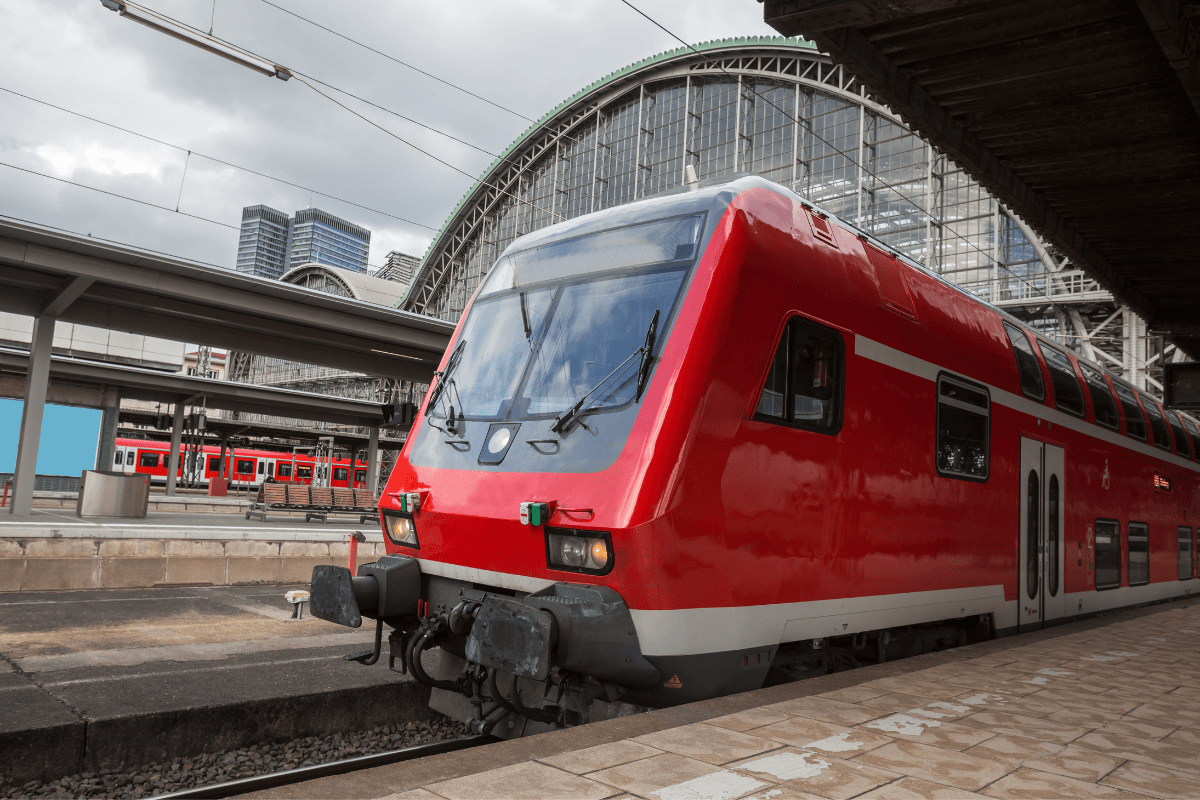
x: 297, y: 597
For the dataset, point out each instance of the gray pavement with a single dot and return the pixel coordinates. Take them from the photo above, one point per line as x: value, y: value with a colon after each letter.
x: 113, y: 679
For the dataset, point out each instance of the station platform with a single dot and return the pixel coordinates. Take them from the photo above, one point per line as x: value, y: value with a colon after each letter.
x: 1102, y: 708
x: 115, y: 679
x: 52, y: 549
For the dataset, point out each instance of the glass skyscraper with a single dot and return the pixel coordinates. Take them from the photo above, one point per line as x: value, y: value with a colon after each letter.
x: 321, y: 238
x: 271, y: 243
x: 263, y: 246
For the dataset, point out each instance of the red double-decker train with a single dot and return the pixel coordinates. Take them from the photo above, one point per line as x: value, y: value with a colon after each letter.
x: 245, y: 467
x: 690, y: 444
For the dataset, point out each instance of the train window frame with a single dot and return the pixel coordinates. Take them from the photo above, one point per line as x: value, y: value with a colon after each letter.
x: 214, y: 464
x: 1160, y: 433
x: 1127, y: 398
x: 1060, y: 371
x: 1023, y: 354
x: 1115, y: 545
x: 787, y: 343
x: 345, y: 473
x: 149, y: 460
x: 1183, y: 445
x: 1183, y: 534
x: 1143, y: 539
x: 283, y: 469
x: 947, y: 379
x: 242, y: 462
x: 1098, y: 387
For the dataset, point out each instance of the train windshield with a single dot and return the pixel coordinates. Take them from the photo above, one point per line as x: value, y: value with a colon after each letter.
x: 565, y: 321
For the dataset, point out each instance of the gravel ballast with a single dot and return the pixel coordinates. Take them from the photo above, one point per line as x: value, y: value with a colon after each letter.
x: 245, y: 762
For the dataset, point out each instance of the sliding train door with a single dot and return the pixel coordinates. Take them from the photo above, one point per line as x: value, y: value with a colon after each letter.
x: 1041, y: 544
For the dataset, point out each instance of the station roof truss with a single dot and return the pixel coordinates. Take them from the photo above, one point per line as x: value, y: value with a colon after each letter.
x: 1082, y: 116
x: 46, y: 272
x: 771, y: 106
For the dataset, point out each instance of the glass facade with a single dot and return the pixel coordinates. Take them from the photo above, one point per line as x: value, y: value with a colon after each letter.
x: 773, y: 107
x: 262, y: 246
x: 321, y: 238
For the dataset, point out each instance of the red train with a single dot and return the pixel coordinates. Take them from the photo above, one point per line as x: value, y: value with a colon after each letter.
x: 691, y: 444
x: 245, y: 466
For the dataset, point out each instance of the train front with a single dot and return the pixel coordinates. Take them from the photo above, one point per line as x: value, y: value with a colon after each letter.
x: 519, y: 518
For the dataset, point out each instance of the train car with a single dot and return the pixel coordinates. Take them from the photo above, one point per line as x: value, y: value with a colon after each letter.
x: 246, y: 466
x: 687, y: 445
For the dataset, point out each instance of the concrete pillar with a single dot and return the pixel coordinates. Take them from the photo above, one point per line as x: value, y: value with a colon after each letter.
x: 353, y: 450
x: 108, y: 430
x: 373, y: 461
x: 37, y: 382
x: 222, y: 467
x: 173, y: 459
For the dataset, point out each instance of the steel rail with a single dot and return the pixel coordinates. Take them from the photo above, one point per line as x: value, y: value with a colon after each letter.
x: 299, y: 774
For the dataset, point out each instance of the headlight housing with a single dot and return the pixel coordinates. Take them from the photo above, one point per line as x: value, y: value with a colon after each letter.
x: 589, y: 552
x: 400, y: 528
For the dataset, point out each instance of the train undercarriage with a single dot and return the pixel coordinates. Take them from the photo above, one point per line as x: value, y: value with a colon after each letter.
x: 510, y: 664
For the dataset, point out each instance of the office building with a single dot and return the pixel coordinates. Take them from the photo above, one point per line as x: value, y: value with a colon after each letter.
x: 263, y: 246
x: 319, y: 237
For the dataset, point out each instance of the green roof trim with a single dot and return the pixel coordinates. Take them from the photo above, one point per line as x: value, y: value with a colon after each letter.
x: 716, y: 44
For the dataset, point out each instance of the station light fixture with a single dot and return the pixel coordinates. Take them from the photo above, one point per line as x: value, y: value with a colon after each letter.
x: 194, y: 37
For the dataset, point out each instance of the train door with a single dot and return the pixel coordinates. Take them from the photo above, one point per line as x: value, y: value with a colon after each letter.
x: 1040, y: 558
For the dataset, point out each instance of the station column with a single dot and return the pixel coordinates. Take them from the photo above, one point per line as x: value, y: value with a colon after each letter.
x: 176, y: 438
x: 37, y: 382
x: 373, y: 461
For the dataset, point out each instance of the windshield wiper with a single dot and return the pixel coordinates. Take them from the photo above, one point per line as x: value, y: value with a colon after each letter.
x: 444, y: 377
x: 647, y: 356
x: 582, y: 406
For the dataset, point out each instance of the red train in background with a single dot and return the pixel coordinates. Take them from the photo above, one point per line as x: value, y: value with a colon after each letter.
x: 689, y: 445
x: 246, y: 466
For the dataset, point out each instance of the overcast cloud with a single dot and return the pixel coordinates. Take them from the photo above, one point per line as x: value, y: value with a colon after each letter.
x: 524, y: 54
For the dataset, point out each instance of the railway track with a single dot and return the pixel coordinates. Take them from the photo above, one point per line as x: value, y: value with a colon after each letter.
x: 300, y: 774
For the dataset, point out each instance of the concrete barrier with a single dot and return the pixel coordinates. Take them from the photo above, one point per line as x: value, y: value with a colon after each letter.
x: 54, y: 559
x: 181, y: 503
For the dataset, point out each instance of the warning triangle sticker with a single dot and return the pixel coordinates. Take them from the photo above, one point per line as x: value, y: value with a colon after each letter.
x: 674, y: 683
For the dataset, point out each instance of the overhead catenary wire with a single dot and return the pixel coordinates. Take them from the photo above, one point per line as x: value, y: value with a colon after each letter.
x: 217, y: 160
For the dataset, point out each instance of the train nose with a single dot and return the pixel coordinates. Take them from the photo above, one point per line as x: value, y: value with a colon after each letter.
x: 388, y: 588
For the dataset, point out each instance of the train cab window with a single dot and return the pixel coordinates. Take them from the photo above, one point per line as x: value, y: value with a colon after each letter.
x: 1102, y: 398
x: 1027, y: 364
x: 1184, y: 547
x: 283, y: 471
x: 340, y: 473
x: 1068, y: 396
x: 804, y: 386
x: 1182, y: 445
x: 1157, y: 424
x: 1108, y: 554
x: 245, y: 466
x: 148, y: 460
x: 304, y: 471
x: 1135, y: 423
x: 1139, y: 553
x: 963, y: 416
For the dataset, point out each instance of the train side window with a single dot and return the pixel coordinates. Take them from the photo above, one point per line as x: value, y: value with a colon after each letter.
x: 303, y: 470
x: 360, y: 476
x: 804, y: 387
x: 261, y: 466
x: 1184, y: 548
x: 148, y: 460
x: 284, y: 471
x: 1139, y: 554
x: 1157, y: 424
x: 1108, y: 554
x: 1027, y: 364
x: 214, y: 463
x: 340, y: 473
x: 118, y: 458
x: 963, y: 417
x: 1135, y: 423
x: 245, y: 466
x: 1191, y: 428
x: 1182, y: 446
x: 1068, y: 396
x: 1102, y: 398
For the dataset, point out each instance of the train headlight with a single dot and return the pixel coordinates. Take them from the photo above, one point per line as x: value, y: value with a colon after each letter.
x: 589, y: 552
x: 400, y: 529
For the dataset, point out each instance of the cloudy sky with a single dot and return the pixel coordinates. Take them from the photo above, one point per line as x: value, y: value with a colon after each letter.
x: 525, y: 55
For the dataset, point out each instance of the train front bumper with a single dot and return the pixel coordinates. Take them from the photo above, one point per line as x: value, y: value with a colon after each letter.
x: 387, y: 589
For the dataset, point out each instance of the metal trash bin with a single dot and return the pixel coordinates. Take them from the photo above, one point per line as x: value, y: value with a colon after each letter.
x: 112, y: 494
